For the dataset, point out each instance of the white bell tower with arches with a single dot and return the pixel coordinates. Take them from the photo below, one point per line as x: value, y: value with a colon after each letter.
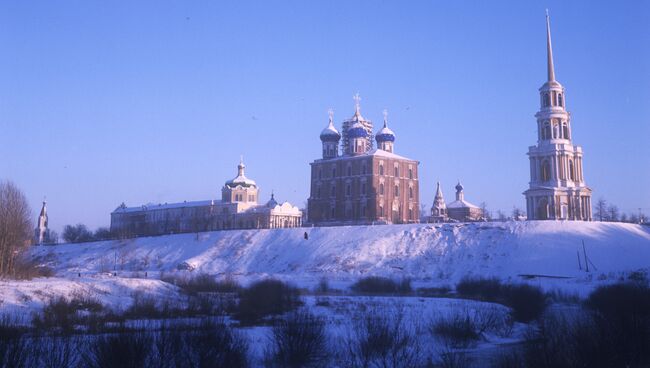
x: 557, y: 189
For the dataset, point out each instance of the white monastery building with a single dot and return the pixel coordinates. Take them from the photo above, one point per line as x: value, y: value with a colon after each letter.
x: 557, y: 186
x: 237, y: 209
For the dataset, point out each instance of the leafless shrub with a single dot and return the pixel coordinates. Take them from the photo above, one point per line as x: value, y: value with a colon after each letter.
x: 15, y: 349
x: 382, y: 285
x: 450, y: 358
x: 57, y: 351
x: 216, y: 345
x: 27, y: 269
x: 127, y: 350
x: 298, y: 340
x: 383, y: 339
x: 458, y: 330
x: 264, y: 298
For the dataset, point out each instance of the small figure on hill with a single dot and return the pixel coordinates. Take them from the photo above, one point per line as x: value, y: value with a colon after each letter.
x: 306, y: 236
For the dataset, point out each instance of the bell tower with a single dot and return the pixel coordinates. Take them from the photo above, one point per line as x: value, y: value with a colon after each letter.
x: 557, y: 190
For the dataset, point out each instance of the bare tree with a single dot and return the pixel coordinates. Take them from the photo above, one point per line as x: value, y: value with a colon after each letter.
x: 612, y: 212
x: 486, y: 213
x: 517, y: 213
x: 15, y: 225
x: 601, y: 209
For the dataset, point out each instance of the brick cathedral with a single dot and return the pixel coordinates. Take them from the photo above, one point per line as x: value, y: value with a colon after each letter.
x: 355, y: 183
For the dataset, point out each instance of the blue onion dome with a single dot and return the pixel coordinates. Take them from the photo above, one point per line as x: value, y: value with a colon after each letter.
x: 459, y: 186
x: 357, y: 131
x: 272, y: 202
x: 385, y: 135
x: 330, y: 134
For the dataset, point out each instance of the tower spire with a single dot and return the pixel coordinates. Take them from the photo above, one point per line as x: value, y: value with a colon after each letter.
x: 385, y: 118
x: 549, y: 50
x: 357, y: 105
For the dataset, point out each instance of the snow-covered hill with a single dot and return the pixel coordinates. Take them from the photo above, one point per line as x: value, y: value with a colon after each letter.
x: 428, y: 253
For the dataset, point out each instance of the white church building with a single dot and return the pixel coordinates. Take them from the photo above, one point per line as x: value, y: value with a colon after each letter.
x: 238, y: 208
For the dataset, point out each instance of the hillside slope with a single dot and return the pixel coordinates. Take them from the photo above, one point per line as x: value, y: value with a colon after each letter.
x: 427, y: 253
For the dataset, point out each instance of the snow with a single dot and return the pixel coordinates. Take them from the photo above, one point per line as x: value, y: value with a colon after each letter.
x: 461, y: 204
x: 430, y: 254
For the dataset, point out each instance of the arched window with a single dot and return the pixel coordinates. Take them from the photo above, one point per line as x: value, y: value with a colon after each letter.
x: 381, y: 211
x: 396, y: 171
x: 410, y: 192
x: 410, y: 214
x: 348, y: 189
x: 349, y: 170
x: 571, y: 171
x: 410, y: 173
x: 565, y: 131
x: 547, y: 131
x: 381, y: 189
x: 547, y: 100
x: 396, y: 190
x: 546, y: 171
x: 381, y: 169
x: 560, y: 102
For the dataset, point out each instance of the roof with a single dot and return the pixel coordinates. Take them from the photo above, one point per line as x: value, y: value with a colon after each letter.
x: 461, y: 204
x: 152, y: 206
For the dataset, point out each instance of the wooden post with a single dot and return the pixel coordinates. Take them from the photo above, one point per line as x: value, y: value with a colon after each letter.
x: 586, y: 259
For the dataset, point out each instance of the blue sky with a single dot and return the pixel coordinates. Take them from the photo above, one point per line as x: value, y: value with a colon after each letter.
x: 154, y: 101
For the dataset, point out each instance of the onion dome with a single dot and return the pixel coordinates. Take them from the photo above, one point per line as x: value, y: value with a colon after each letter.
x: 357, y: 130
x: 385, y: 134
x: 272, y: 202
x: 241, y: 179
x: 330, y: 134
x: 459, y: 187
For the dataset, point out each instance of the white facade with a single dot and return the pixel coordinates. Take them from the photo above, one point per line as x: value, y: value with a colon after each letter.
x: 237, y: 209
x: 557, y: 189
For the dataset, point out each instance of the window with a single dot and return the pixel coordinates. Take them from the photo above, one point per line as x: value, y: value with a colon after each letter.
x: 363, y: 168
x: 381, y: 169
x: 348, y: 190
x: 381, y: 211
x: 396, y: 170
x: 333, y: 172
x: 320, y: 174
x: 410, y: 173
x: 349, y: 170
x: 411, y: 192
x: 363, y: 188
x: 410, y: 214
x: 318, y: 192
x: 547, y: 100
x: 546, y: 132
x: 381, y: 189
x: 396, y: 190
x: 546, y: 171
x: 571, y: 171
x: 559, y: 100
x: 565, y: 131
x: 333, y: 191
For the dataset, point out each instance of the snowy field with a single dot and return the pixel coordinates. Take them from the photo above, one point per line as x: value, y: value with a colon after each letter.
x: 427, y: 253
x: 548, y: 254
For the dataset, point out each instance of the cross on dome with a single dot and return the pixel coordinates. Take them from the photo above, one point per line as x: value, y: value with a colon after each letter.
x: 357, y: 105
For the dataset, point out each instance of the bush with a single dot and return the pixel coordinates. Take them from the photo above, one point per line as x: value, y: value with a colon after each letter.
x: 381, y: 339
x: 27, y: 269
x: 63, y: 314
x: 323, y: 286
x: 299, y: 340
x: 381, y: 285
x: 215, y: 345
x: 57, y: 351
x: 482, y: 288
x: 527, y: 302
x: 15, y: 349
x: 622, y: 311
x: 77, y: 234
x: 459, y: 330
x: 265, y: 298
x: 204, y: 283
x: 127, y: 350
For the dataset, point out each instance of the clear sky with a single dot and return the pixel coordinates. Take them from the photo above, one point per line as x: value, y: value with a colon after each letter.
x: 154, y: 101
